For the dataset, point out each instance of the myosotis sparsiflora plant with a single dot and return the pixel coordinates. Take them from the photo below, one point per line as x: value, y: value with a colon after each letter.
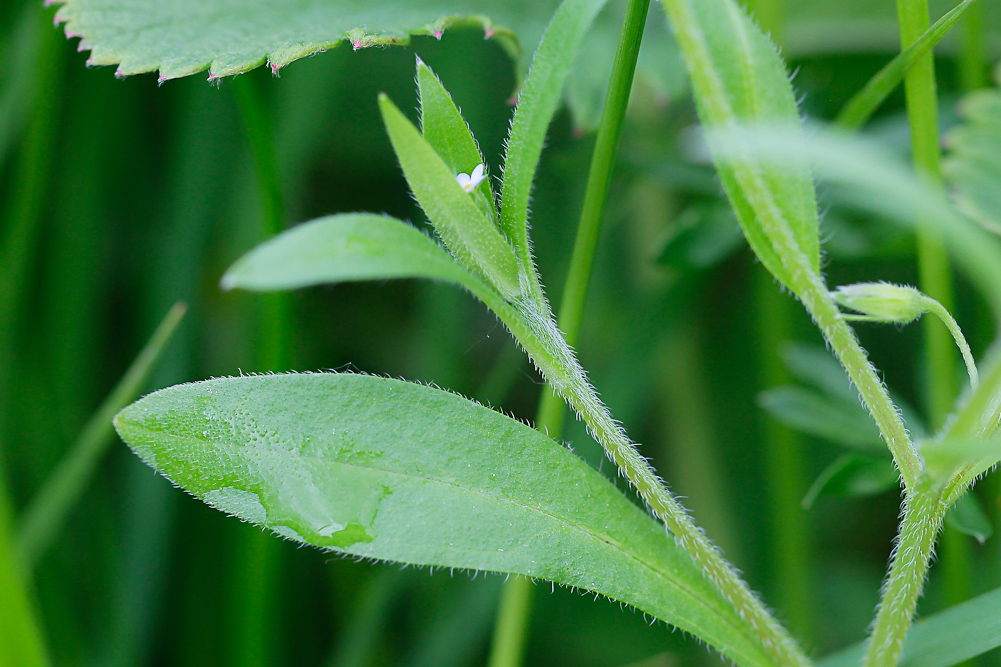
x: 384, y: 469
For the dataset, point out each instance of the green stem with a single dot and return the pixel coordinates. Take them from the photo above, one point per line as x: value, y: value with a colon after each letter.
x: 923, y: 513
x: 972, y: 50
x: 511, y: 630
x: 936, y: 308
x: 41, y: 520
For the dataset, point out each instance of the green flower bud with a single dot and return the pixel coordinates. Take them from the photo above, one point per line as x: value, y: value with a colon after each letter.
x: 883, y: 302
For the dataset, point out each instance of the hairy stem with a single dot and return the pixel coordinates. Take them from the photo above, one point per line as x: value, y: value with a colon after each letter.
x: 511, y: 629
x: 923, y: 513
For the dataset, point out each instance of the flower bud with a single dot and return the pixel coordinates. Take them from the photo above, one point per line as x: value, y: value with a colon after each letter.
x: 883, y: 302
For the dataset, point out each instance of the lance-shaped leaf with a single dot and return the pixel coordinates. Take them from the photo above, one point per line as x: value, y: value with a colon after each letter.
x: 537, y: 103
x: 973, y: 165
x: 853, y: 475
x: 821, y: 416
x: 380, y: 468
x: 962, y: 458
x: 468, y: 233
x: 447, y: 132
x: 738, y: 78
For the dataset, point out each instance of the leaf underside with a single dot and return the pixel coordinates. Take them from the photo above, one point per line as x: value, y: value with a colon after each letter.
x: 385, y: 469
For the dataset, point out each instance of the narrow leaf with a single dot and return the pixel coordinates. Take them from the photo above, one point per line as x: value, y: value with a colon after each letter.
x: 968, y: 517
x: 738, y: 77
x: 450, y: 136
x: 862, y: 105
x: 853, y: 475
x: 379, y: 468
x: 945, y: 458
x: 469, y: 235
x: 345, y: 247
x: 537, y: 103
x: 45, y: 515
x: 943, y: 639
x: 815, y: 414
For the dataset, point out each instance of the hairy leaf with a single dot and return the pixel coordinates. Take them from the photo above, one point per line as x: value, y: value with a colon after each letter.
x: 380, y: 468
x: 468, y: 233
x: 738, y: 78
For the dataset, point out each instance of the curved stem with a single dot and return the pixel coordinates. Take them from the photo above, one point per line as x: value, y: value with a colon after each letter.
x: 936, y: 308
x: 923, y: 513
x: 511, y: 629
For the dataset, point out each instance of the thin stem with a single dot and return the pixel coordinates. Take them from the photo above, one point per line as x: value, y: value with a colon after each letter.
x: 972, y: 50
x: 923, y: 513
x: 41, y: 520
x: 936, y: 308
x: 511, y: 629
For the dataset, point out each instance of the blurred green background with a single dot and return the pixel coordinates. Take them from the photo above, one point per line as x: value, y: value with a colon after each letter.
x: 120, y: 197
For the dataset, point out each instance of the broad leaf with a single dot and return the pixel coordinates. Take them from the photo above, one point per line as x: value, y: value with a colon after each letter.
x: 853, y: 475
x: 380, y: 468
x: 813, y: 413
x: 468, y: 233
x: 943, y: 639
x: 968, y: 517
x: 738, y: 78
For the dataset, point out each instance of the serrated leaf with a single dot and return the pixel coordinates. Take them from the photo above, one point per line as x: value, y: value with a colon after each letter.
x: 380, y: 468
x: 853, y: 475
x: 468, y: 233
x: 447, y: 132
x: 968, y: 517
x: 817, y: 415
x: 738, y: 78
x: 973, y: 163
x: 943, y: 639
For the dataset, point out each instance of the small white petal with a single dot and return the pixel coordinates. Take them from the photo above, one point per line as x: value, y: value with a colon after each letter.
x: 463, y: 180
x: 475, y: 178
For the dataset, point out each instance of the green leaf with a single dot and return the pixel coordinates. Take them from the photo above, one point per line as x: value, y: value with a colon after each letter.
x: 701, y: 237
x: 943, y: 639
x: 346, y: 247
x: 380, y: 468
x: 853, y: 475
x: 973, y: 456
x: 738, y: 78
x: 468, y: 233
x: 968, y: 517
x: 818, y: 415
x: 973, y: 164
x: 815, y: 365
x: 447, y: 132
x: 862, y: 105
x: 537, y: 102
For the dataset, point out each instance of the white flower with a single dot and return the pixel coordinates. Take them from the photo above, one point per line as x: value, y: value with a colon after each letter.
x: 470, y: 181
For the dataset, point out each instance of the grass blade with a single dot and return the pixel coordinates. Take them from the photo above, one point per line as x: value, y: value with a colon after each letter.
x: 864, y: 103
x: 46, y: 513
